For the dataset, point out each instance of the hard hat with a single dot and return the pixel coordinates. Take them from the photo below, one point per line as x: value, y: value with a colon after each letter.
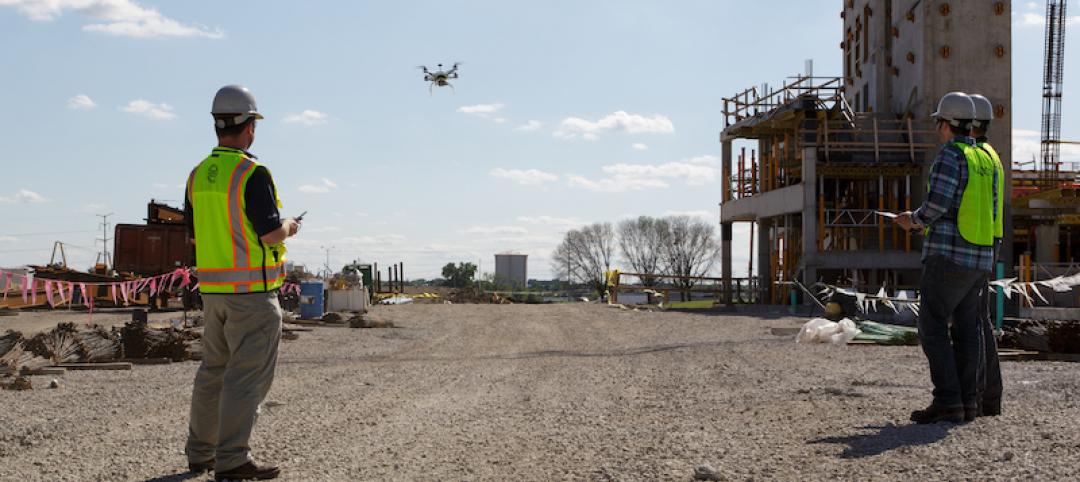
x: 233, y: 105
x: 984, y: 110
x: 956, y: 108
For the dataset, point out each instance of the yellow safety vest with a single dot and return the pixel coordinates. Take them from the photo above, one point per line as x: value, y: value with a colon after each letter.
x: 999, y: 217
x: 975, y: 218
x: 229, y: 255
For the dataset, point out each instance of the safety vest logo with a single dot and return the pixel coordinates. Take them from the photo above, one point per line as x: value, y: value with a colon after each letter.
x: 211, y: 173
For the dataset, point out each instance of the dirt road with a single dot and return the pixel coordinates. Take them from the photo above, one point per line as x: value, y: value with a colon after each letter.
x: 558, y: 392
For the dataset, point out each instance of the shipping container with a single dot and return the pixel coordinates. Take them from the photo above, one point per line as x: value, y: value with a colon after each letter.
x: 152, y: 249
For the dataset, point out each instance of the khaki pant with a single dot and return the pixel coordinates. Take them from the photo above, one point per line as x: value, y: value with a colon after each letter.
x: 240, y: 347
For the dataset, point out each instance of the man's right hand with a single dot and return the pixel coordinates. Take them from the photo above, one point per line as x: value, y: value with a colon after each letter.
x: 292, y: 226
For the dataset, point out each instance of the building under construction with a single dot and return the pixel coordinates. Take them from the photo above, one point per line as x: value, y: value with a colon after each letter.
x: 825, y: 153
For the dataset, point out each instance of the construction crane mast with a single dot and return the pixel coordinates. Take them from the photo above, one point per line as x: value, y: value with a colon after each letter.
x: 1053, y: 74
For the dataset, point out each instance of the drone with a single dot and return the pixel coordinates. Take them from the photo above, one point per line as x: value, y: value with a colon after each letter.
x: 440, y: 77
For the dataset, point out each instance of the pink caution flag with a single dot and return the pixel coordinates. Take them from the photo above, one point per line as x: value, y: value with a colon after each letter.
x: 49, y: 293
x: 112, y: 288
x: 70, y: 293
x: 7, y: 284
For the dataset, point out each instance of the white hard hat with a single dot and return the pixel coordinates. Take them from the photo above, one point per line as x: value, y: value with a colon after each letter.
x: 233, y: 105
x: 984, y: 110
x: 956, y: 108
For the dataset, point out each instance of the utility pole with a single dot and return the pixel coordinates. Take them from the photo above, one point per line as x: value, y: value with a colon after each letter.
x: 103, y: 257
x: 329, y: 272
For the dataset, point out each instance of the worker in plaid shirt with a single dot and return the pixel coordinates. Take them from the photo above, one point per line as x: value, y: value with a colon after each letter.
x: 958, y: 220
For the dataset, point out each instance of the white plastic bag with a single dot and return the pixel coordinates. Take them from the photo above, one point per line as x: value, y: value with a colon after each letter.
x: 820, y: 330
x: 811, y: 329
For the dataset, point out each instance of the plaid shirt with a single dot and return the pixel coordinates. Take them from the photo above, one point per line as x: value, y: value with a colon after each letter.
x: 948, y: 178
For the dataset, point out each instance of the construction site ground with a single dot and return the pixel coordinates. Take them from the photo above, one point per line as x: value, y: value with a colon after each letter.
x: 558, y: 392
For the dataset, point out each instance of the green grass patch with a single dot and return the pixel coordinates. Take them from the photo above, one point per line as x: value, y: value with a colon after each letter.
x: 692, y: 305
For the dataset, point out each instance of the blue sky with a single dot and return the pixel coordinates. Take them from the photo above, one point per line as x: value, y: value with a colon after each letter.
x: 566, y: 112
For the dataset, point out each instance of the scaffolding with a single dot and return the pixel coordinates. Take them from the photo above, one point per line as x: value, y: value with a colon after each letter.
x: 815, y: 183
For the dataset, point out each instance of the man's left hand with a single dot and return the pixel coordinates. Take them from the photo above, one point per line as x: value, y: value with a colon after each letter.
x: 906, y: 221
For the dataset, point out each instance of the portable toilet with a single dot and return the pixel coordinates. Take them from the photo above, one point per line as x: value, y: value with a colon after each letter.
x: 311, y: 299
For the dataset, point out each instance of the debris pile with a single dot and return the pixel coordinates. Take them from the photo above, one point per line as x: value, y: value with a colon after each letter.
x: 69, y: 343
x: 1052, y: 336
x: 474, y: 296
x: 177, y: 344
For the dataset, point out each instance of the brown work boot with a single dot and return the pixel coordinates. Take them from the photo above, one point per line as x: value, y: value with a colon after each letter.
x: 200, y: 467
x: 248, y: 471
x: 935, y: 414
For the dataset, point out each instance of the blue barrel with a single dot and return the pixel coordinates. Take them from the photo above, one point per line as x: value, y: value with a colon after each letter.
x: 311, y: 299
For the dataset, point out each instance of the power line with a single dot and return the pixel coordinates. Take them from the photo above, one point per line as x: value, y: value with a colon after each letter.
x: 54, y: 233
x: 103, y: 256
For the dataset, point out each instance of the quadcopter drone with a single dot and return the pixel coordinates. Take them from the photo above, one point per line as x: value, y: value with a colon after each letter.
x: 440, y: 77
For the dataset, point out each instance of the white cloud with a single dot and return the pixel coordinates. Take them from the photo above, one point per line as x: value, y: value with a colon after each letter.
x: 482, y: 110
x: 528, y: 177
x: 308, y: 117
x: 639, y: 146
x: 326, y: 186
x: 700, y: 213
x: 530, y: 126
x: 322, y: 229
x: 8, y: 239
x: 24, y: 196
x: 496, y: 231
x: 500, y: 120
x: 552, y: 221
x: 615, y: 184
x: 1033, y: 19
x: 80, y: 102
x: 92, y: 208
x: 149, y: 109
x: 114, y: 17
x: 696, y: 171
x: 619, y: 121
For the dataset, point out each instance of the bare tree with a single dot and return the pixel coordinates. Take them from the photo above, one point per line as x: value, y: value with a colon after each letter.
x: 586, y: 254
x: 643, y: 241
x: 691, y: 250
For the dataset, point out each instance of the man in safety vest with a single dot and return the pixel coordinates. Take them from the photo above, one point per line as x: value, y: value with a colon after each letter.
x: 958, y: 253
x: 232, y: 205
x: 989, y: 381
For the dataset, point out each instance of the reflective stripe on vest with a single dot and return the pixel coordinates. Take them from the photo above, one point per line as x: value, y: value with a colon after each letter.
x: 230, y: 257
x: 999, y: 216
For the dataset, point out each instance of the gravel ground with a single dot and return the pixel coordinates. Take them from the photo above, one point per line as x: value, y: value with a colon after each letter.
x: 559, y: 392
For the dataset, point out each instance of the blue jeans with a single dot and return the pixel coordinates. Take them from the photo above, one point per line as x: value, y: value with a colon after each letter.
x: 950, y: 290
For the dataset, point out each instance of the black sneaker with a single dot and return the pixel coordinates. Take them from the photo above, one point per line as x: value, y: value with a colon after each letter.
x: 935, y: 414
x: 248, y: 471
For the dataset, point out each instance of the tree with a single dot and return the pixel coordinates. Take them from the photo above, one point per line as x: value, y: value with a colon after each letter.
x: 643, y: 242
x: 459, y: 276
x: 691, y: 250
x: 586, y: 254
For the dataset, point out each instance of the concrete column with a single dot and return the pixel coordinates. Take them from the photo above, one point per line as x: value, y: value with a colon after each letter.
x: 725, y: 170
x: 809, y: 216
x: 725, y: 261
x: 1046, y: 243
x: 764, y: 257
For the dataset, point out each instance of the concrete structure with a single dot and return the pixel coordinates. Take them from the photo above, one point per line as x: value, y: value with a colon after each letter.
x: 512, y: 270
x: 830, y: 151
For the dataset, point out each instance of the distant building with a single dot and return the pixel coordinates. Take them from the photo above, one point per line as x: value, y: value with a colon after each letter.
x: 512, y: 270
